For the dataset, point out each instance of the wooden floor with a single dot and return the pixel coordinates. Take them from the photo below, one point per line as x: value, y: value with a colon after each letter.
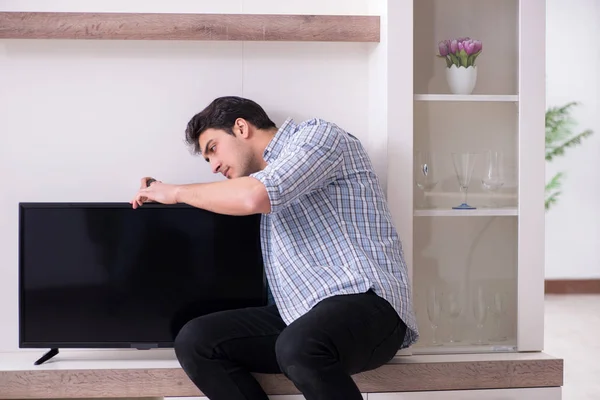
x: 156, y: 374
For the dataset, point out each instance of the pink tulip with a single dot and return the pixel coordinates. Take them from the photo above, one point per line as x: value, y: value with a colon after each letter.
x: 453, y: 46
x: 469, y: 47
x: 443, y: 49
x: 461, y: 46
x: 477, y: 46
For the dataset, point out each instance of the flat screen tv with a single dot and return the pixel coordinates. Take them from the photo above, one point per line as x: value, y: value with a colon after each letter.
x: 102, y: 275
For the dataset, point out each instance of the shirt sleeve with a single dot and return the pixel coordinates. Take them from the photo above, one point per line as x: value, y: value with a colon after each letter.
x: 310, y: 161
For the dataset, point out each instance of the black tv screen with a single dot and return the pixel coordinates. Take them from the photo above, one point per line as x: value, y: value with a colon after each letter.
x: 105, y: 275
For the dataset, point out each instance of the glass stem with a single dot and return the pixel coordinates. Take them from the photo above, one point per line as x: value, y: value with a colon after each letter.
x: 497, y: 328
x: 455, y: 333
x: 480, y: 327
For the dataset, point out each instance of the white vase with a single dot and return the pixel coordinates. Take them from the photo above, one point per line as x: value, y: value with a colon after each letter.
x: 461, y: 80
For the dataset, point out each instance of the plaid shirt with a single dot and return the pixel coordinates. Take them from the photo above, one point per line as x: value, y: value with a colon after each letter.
x: 329, y: 231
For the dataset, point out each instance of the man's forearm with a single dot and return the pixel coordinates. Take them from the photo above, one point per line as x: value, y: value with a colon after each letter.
x: 241, y: 196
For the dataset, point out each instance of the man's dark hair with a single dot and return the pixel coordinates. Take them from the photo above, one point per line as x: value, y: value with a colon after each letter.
x: 221, y: 114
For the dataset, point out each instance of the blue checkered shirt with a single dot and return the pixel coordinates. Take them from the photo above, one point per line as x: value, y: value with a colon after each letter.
x: 329, y: 231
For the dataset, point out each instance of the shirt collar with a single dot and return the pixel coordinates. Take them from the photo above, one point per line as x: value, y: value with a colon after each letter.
x: 279, y: 140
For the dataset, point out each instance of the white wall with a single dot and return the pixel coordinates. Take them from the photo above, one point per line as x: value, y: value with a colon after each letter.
x: 85, y: 120
x: 573, y: 66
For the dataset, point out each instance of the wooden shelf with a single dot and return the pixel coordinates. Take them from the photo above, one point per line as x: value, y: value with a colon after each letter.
x: 472, y: 97
x: 448, y: 348
x: 93, y: 374
x: 479, y: 212
x: 147, y: 26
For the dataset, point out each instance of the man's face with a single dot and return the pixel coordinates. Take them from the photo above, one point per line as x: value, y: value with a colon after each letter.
x: 229, y: 155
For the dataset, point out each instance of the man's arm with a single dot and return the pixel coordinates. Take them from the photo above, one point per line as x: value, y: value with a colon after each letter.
x: 240, y: 196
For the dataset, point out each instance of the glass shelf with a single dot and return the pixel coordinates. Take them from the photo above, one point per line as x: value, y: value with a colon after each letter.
x: 472, y: 97
x: 479, y: 212
x: 500, y: 347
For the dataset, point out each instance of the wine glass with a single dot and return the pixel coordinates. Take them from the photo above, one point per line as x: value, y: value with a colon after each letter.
x: 493, y: 175
x: 433, y: 311
x: 453, y: 308
x: 498, y: 309
x: 464, y: 163
x: 479, y: 313
x: 425, y: 176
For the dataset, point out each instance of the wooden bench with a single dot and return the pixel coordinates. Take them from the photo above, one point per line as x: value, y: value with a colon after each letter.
x: 156, y: 373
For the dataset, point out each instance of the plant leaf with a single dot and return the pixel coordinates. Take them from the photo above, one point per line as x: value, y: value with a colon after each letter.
x: 455, y: 60
x: 473, y: 57
x: 463, y: 57
x: 559, y: 137
x: 553, y: 190
x: 559, y: 123
x: 555, y: 182
x: 574, y: 141
x: 551, y: 200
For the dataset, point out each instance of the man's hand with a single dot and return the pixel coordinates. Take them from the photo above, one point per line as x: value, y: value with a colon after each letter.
x: 157, y: 191
x: 145, y: 182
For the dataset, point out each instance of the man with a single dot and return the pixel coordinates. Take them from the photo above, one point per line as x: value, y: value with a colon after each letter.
x: 333, y: 260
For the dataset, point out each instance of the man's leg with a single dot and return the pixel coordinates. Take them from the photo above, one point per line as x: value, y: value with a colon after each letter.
x: 340, y: 336
x: 218, y: 351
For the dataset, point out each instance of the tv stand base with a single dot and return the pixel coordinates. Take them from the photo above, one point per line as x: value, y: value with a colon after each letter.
x: 51, y: 353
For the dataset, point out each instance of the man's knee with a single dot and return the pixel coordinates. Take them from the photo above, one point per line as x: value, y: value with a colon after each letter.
x: 300, y: 355
x: 196, y: 340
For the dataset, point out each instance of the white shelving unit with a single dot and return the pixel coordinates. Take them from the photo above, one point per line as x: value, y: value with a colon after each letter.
x: 498, y: 248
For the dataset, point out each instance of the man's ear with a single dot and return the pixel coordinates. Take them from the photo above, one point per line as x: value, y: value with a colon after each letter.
x: 241, y: 127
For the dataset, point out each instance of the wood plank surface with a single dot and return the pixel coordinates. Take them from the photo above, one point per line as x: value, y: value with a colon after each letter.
x: 147, y: 26
x: 173, y: 382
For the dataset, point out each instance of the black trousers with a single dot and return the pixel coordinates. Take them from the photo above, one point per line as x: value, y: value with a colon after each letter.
x: 339, y: 337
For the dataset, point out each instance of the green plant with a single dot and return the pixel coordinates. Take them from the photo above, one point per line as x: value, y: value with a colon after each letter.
x: 559, y: 137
